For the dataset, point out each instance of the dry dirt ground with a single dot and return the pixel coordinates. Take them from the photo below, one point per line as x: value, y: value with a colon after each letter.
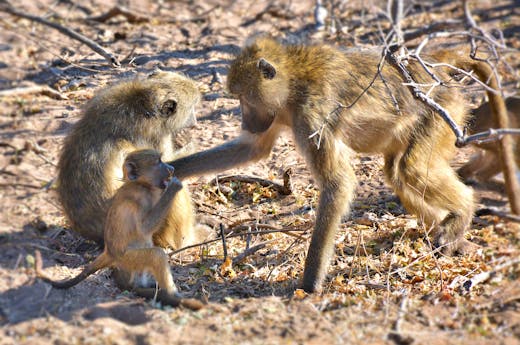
x: 384, y: 285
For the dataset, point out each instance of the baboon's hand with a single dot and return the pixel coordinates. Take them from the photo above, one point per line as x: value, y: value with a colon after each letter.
x: 174, y: 185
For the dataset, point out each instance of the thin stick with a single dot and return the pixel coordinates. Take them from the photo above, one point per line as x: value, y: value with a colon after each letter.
x: 491, y: 134
x: 7, y: 7
x: 223, y: 237
x: 235, y: 235
x: 249, y: 251
x: 132, y: 17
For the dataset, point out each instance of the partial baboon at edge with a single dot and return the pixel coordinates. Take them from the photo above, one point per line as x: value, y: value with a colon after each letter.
x: 334, y: 102
x: 485, y: 163
x: 133, y: 114
x: 138, y: 210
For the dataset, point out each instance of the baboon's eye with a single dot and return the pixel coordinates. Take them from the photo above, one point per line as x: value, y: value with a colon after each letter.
x: 169, y: 108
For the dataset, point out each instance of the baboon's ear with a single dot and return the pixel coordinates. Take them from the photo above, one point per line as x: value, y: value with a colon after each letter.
x: 268, y: 70
x: 169, y: 108
x: 130, y: 171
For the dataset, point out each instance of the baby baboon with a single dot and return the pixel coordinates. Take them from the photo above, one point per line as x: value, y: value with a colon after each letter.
x: 485, y: 163
x: 140, y: 113
x: 334, y: 101
x: 138, y: 209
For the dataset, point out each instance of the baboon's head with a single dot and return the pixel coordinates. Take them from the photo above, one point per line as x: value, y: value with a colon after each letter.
x: 146, y: 166
x: 149, y: 108
x: 257, y: 78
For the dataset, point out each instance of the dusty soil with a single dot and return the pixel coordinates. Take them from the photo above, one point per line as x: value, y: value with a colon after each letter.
x: 384, y: 284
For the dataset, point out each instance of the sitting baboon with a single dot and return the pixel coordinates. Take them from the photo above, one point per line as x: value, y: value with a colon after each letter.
x: 137, y: 211
x: 133, y: 114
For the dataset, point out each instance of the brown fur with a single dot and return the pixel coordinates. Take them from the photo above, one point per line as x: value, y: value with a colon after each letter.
x: 137, y: 211
x: 485, y: 163
x: 335, y: 103
x: 140, y: 113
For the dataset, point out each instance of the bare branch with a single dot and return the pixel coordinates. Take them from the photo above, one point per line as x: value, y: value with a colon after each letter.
x: 490, y: 135
x: 473, y: 25
x: 395, y: 10
x: 7, y: 7
x: 410, y: 82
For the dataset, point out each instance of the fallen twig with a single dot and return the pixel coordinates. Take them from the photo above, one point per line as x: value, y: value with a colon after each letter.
x: 284, y: 190
x: 132, y: 17
x: 7, y: 7
x: 26, y: 90
x: 37, y: 246
x: 237, y: 235
x: 484, y: 276
x: 260, y: 226
x: 249, y: 251
x: 492, y: 212
x: 73, y: 4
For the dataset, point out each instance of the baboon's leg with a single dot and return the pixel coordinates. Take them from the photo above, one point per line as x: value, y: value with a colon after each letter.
x: 336, y: 179
x: 153, y: 260
x: 429, y: 188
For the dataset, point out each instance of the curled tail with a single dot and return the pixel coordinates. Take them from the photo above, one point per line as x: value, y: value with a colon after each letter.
x: 100, y: 262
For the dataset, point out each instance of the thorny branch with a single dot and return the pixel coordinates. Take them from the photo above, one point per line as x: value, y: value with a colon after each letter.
x: 418, y: 93
x: 500, y: 115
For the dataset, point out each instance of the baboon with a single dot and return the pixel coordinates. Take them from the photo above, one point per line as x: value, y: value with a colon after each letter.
x: 336, y: 102
x: 485, y: 163
x: 133, y: 114
x: 138, y: 210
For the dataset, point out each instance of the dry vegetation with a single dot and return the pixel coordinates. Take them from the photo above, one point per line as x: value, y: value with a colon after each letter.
x: 385, y: 284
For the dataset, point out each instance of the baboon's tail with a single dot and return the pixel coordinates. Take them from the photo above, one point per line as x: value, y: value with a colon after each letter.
x: 498, y: 109
x: 100, y: 262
